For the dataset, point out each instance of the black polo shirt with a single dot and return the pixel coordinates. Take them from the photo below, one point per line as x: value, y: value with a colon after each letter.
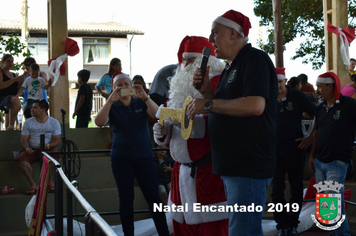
x: 289, y: 119
x: 336, y: 130
x: 245, y: 146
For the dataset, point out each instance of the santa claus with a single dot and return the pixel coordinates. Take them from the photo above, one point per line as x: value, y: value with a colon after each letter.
x: 193, y: 183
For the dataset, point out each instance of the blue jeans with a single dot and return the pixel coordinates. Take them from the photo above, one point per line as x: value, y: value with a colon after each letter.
x: 245, y: 192
x: 335, y: 171
x: 145, y: 172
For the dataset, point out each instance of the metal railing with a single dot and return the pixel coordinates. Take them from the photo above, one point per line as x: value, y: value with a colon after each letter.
x: 94, y: 223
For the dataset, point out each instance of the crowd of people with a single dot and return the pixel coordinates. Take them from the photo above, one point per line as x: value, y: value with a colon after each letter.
x: 247, y: 132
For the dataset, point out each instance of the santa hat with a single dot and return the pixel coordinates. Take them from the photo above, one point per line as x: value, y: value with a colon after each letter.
x: 192, y: 46
x: 120, y: 75
x: 330, y: 78
x: 236, y: 21
x: 281, y: 73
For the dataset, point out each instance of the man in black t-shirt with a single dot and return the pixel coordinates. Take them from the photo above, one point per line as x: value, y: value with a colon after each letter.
x: 334, y: 136
x: 290, y: 152
x: 242, y: 120
x: 83, y: 104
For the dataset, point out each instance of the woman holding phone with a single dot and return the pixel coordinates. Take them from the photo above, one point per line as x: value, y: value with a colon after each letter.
x: 131, y: 153
x: 9, y: 86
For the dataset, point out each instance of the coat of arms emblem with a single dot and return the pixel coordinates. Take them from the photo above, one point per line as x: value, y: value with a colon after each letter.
x: 289, y: 106
x: 328, y: 206
x: 337, y: 115
x: 232, y: 76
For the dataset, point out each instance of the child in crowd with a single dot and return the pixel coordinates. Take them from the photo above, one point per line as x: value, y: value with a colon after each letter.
x: 83, y: 104
x: 34, y: 85
x: 164, y: 165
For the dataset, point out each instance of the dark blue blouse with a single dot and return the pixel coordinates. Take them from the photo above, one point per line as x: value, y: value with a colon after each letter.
x: 130, y: 127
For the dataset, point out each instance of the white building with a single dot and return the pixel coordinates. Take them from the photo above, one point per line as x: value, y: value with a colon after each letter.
x: 98, y: 44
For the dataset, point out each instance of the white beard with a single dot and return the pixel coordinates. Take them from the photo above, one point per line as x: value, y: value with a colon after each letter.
x: 181, y: 84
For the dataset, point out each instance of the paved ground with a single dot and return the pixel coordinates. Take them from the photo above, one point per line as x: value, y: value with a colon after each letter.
x: 314, y: 232
x: 319, y: 232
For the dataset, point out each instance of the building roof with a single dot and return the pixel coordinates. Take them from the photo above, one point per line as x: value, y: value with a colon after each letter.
x: 108, y: 29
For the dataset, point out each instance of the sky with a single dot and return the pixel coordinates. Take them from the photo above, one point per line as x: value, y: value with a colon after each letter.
x: 165, y: 23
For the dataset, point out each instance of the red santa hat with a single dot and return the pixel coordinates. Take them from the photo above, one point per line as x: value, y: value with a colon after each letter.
x: 236, y: 21
x: 192, y: 46
x: 119, y: 75
x: 330, y: 78
x: 281, y: 74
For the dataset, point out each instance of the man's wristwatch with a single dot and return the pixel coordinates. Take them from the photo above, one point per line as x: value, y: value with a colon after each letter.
x: 208, y: 105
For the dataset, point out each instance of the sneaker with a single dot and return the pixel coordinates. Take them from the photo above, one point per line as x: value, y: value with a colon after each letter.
x: 282, y: 232
x: 292, y: 231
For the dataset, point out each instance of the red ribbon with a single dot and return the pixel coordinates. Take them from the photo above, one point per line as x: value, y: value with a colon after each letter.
x: 71, y: 49
x: 349, y: 32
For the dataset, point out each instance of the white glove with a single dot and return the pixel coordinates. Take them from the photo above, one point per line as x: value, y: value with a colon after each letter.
x: 157, y: 131
x: 158, y: 134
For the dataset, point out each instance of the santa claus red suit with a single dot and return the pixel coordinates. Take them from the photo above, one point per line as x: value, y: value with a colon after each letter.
x: 193, y: 183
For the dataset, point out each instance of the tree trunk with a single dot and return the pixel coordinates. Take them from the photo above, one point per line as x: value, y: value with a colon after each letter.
x: 24, y: 29
x: 278, y: 36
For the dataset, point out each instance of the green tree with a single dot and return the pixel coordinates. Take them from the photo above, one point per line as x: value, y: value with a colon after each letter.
x: 13, y: 46
x: 303, y: 18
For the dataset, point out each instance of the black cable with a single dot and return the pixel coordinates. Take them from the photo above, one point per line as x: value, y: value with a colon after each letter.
x: 67, y: 146
x: 74, y: 159
x: 75, y: 167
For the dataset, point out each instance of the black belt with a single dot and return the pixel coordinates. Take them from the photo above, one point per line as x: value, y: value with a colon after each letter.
x: 206, y: 159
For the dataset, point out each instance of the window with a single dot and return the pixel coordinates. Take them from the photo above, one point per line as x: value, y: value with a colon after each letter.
x: 96, y: 51
x: 39, y: 49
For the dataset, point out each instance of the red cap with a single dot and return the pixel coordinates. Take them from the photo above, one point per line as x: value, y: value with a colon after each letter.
x: 192, y: 46
x: 235, y: 20
x: 330, y: 78
x: 281, y: 74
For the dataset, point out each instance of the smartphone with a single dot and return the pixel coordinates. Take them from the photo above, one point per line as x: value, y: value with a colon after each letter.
x: 128, y: 91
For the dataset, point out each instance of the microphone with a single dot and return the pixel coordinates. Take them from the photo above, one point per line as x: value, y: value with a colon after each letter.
x: 63, y: 111
x: 204, y: 62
